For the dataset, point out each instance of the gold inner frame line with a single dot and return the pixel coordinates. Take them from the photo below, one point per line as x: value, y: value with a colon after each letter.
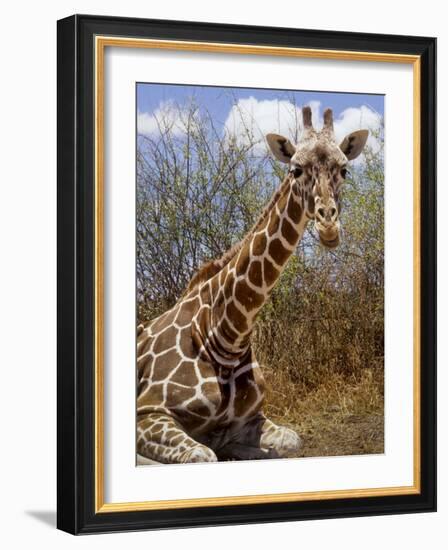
x: 101, y: 42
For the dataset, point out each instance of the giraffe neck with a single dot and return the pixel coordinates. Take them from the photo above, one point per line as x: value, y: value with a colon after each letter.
x: 243, y: 286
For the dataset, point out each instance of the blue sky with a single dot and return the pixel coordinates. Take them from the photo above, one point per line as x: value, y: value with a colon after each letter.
x: 218, y: 100
x: 233, y: 110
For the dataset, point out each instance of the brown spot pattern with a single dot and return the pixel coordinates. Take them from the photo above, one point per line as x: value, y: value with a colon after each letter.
x: 289, y: 232
x: 247, y: 296
x: 165, y: 340
x: 229, y: 334
x: 176, y: 395
x: 218, y: 306
x: 273, y: 224
x: 185, y: 374
x: 259, y: 244
x: 282, y: 202
x: 243, y: 262
x: 153, y: 397
x: 186, y: 343
x: 236, y: 317
x: 228, y: 287
x: 144, y: 364
x: 163, y: 365
x: 205, y: 369
x: 270, y: 272
x: 214, y: 285
x: 144, y: 345
x: 294, y: 210
x: 186, y: 312
x: 164, y: 320
x: 278, y: 252
x: 255, y: 275
x: 223, y: 274
x: 205, y: 294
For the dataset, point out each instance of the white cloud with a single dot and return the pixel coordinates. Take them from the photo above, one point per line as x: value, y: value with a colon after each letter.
x: 167, y: 116
x: 251, y: 119
x: 146, y: 123
x: 258, y: 118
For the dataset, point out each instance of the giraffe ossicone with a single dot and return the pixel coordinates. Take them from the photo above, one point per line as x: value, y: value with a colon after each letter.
x: 200, y: 388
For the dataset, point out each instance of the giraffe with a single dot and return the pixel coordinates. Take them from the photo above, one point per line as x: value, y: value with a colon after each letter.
x: 200, y: 388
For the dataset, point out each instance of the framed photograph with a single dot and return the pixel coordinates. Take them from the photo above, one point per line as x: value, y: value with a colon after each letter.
x: 246, y: 274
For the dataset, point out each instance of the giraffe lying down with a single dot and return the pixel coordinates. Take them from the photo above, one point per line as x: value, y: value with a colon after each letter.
x: 200, y: 388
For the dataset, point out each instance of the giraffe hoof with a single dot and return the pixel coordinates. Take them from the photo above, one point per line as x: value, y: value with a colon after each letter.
x: 283, y: 440
x: 199, y: 454
x: 291, y: 442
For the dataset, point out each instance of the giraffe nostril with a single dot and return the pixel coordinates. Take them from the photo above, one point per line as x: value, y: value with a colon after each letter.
x: 321, y: 213
x: 332, y: 212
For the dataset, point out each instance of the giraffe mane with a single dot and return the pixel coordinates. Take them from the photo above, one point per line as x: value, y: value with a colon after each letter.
x: 210, y: 268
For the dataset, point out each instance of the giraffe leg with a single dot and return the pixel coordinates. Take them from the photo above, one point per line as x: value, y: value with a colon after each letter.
x: 161, y: 438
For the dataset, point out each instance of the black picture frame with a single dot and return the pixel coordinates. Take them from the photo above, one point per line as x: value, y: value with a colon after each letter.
x: 76, y: 256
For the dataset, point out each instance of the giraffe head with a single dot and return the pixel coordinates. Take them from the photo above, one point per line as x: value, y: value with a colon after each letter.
x: 318, y: 167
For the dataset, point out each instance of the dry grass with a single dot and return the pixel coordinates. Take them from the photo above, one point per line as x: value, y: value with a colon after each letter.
x: 339, y: 417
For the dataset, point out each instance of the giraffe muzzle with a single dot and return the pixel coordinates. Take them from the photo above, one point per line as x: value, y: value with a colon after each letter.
x: 327, y: 222
x: 329, y: 234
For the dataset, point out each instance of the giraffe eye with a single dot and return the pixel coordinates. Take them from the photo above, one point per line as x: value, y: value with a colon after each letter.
x: 296, y: 171
x: 344, y: 172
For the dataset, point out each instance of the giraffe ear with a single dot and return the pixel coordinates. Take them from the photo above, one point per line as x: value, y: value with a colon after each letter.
x: 353, y: 144
x: 281, y: 147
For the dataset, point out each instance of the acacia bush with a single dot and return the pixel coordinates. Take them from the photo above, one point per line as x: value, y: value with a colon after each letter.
x: 197, y: 194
